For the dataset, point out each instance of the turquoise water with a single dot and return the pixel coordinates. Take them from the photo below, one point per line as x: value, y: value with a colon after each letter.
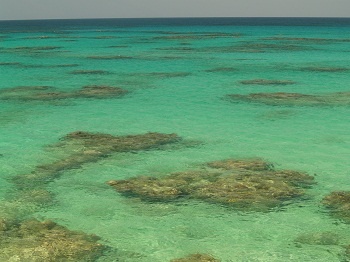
x: 191, y: 103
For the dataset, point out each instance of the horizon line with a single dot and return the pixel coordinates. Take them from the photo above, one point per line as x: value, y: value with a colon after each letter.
x: 178, y: 17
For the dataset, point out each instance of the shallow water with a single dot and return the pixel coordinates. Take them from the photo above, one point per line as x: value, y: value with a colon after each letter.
x: 177, y: 78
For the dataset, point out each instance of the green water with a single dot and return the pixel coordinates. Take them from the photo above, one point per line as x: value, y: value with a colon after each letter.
x: 312, y: 139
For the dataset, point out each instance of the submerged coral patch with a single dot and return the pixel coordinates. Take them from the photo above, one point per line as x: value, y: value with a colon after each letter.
x: 338, y: 203
x: 32, y: 49
x: 110, y: 57
x: 255, y: 47
x: 176, y: 48
x: 325, y: 69
x: 63, y: 65
x: 196, y: 258
x: 118, y: 46
x: 99, y: 91
x: 221, y: 69
x: 250, y: 184
x: 9, y: 63
x: 198, y: 36
x: 46, y: 93
x: 312, y: 40
x: 90, y: 72
x: 266, y: 82
x: 294, y: 99
x: 254, y: 164
x: 104, y: 37
x: 32, y: 240
x: 161, y: 74
x: 318, y: 238
x: 169, y: 74
x: 84, y: 147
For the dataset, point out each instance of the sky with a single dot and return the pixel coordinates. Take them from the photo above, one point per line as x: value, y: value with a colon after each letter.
x: 56, y: 9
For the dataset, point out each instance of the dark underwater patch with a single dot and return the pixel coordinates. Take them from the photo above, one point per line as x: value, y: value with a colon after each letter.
x: 266, y: 82
x: 294, y: 99
x: 90, y: 72
x: 244, y: 184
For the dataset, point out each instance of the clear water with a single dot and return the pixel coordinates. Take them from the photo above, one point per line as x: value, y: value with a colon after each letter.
x: 312, y: 139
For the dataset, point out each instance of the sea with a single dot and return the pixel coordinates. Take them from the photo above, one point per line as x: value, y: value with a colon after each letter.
x: 178, y: 73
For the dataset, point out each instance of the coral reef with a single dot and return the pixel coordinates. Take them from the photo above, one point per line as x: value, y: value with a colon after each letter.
x: 325, y: 69
x: 254, y: 164
x: 307, y: 39
x: 32, y: 240
x: 46, y: 93
x: 161, y: 74
x: 196, y: 258
x: 168, y: 75
x: 89, y: 72
x: 221, y: 69
x: 198, y: 36
x: 256, y: 47
x: 339, y: 204
x: 9, y: 63
x: 34, y: 48
x: 294, y: 99
x: 85, y: 147
x: 318, y: 238
x: 249, y: 184
x: 111, y: 57
x: 103, y: 37
x: 266, y: 82
x: 99, y: 91
x: 38, y: 197
x: 118, y: 46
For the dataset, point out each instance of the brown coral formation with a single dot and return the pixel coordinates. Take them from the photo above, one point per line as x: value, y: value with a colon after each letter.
x: 307, y: 39
x: 34, y: 48
x: 89, y: 72
x: 294, y: 99
x: 88, y: 147
x: 32, y: 240
x: 9, y: 63
x: 111, y: 57
x: 338, y: 203
x: 198, y: 36
x: 196, y: 258
x: 325, y: 69
x: 46, y: 93
x: 249, y: 184
x: 256, y: 47
x: 168, y: 75
x: 99, y: 91
x: 221, y: 69
x: 255, y: 164
x: 318, y: 238
x: 161, y: 74
x: 266, y: 82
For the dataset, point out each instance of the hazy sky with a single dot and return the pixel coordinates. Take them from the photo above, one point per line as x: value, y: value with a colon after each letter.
x: 39, y: 9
